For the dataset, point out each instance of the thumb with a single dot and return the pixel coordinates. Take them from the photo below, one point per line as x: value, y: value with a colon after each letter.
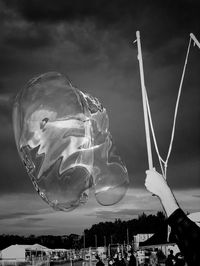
x: 150, y: 170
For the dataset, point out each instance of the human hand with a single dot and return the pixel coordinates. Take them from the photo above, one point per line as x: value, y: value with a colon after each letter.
x: 155, y: 183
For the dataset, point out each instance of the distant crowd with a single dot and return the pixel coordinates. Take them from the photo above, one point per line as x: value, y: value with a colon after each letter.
x: 152, y: 258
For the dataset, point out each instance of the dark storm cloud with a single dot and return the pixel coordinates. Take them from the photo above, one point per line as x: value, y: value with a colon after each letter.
x: 13, y: 176
x: 34, y: 220
x: 17, y: 32
x: 28, y: 37
x: 31, y: 225
x: 17, y: 215
x: 123, y: 213
x: 97, y: 36
x: 159, y: 20
x: 6, y: 101
x: 92, y: 42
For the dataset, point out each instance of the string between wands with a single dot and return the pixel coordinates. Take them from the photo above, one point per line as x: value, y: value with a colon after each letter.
x: 147, y: 111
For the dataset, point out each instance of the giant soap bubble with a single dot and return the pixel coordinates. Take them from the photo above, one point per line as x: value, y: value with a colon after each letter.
x: 63, y: 140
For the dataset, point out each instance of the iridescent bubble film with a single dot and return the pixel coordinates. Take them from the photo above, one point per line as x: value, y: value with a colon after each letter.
x: 63, y: 140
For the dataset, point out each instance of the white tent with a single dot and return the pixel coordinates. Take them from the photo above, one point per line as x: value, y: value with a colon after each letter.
x: 19, y: 252
x: 14, y: 252
x: 38, y: 247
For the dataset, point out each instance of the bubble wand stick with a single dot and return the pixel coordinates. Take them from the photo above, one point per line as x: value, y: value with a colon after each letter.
x: 146, y: 120
x: 194, y: 39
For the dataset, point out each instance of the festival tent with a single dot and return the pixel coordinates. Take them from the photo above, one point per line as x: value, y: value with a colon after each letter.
x: 14, y: 252
x: 39, y: 248
x: 21, y: 252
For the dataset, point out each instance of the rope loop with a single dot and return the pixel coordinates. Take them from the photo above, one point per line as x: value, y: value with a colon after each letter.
x: 161, y: 160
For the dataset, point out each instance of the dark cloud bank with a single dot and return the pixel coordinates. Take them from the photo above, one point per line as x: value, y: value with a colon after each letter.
x: 160, y: 21
x: 100, y: 36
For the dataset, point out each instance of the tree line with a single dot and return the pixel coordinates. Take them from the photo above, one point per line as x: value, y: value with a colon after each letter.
x: 103, y: 233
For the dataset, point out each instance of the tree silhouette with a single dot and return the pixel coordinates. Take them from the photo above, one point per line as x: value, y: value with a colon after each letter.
x: 115, y: 232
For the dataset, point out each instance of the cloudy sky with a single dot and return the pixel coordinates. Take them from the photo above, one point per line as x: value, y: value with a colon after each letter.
x: 91, y: 42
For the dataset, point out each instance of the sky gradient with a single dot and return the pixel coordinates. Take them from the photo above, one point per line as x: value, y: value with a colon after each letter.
x: 91, y: 42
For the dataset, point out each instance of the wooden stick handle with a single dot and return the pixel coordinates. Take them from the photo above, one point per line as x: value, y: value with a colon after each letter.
x: 146, y: 121
x: 195, y: 39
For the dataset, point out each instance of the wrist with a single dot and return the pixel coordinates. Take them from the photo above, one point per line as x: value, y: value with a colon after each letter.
x: 165, y: 192
x: 168, y: 201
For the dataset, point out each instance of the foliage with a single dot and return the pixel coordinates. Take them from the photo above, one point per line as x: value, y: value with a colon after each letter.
x: 103, y: 233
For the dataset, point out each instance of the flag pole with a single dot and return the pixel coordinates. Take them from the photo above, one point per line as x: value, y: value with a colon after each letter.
x: 146, y: 121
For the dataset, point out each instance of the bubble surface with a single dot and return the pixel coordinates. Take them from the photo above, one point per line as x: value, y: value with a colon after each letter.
x: 63, y: 140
